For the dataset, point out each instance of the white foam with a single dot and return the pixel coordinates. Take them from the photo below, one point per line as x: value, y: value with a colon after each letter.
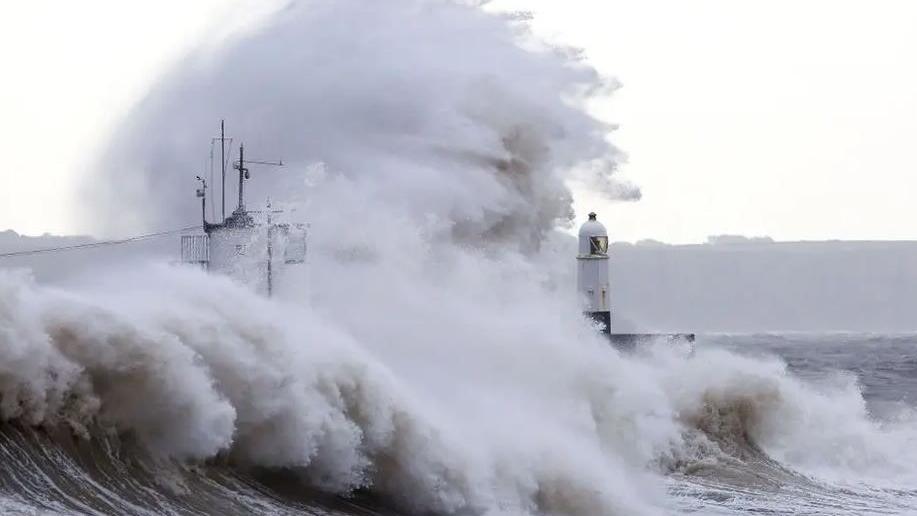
x: 433, y: 350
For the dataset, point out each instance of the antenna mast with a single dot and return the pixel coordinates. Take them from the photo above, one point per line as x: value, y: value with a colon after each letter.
x: 223, y: 164
x: 223, y: 139
x: 244, y: 174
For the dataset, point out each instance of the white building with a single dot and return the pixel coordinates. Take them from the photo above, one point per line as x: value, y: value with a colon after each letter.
x: 592, y: 272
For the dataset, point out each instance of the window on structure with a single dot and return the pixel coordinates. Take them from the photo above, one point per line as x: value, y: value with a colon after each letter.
x: 599, y: 244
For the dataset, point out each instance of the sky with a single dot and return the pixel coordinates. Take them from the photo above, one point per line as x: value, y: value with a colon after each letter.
x: 795, y: 119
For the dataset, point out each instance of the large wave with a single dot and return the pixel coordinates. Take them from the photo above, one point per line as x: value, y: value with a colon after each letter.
x: 431, y: 352
x: 483, y: 411
x: 195, y: 367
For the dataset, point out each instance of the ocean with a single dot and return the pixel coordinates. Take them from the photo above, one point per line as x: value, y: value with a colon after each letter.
x: 857, y: 461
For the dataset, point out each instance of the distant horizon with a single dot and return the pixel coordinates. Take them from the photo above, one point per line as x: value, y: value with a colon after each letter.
x: 711, y: 240
x: 726, y: 285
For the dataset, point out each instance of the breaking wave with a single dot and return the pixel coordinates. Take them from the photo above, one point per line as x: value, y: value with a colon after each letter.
x: 430, y: 357
x: 183, y: 383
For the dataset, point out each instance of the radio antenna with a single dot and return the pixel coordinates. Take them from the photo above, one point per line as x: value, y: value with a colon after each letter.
x: 223, y: 139
x: 244, y: 173
x: 223, y: 162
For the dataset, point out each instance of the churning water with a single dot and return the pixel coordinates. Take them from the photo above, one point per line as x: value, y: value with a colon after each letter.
x: 186, y: 394
x: 840, y: 441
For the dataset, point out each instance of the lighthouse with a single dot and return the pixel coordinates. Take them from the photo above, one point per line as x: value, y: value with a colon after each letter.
x: 592, y: 272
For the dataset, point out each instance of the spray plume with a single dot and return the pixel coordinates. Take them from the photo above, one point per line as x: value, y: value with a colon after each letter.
x: 455, y: 112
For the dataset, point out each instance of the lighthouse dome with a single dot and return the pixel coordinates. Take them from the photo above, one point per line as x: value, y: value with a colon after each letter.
x: 593, y: 238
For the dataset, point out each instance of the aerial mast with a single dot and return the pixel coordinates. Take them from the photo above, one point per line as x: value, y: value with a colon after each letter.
x: 223, y: 164
x: 223, y: 139
x: 243, y: 175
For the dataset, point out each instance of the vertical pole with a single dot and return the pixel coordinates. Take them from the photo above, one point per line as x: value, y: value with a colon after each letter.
x: 223, y: 164
x: 213, y: 214
x: 241, y: 177
x: 270, y: 260
x: 270, y: 251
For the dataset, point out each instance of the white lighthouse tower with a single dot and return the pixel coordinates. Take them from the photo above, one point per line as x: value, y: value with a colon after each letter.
x: 592, y: 272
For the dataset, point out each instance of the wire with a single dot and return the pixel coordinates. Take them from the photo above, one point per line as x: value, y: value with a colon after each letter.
x: 212, y: 204
x: 91, y: 245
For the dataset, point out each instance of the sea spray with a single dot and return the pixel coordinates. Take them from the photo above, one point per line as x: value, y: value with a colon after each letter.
x: 431, y: 353
x: 753, y: 408
x: 171, y: 361
x: 426, y: 100
x: 503, y: 416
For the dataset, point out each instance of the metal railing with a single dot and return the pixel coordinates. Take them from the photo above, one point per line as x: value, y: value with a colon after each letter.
x: 195, y: 249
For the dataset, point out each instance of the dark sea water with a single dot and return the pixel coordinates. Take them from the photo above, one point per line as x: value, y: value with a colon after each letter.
x: 834, y: 434
x: 846, y: 468
x: 884, y: 365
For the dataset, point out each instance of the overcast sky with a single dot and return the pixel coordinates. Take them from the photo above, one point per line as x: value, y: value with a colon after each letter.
x: 790, y: 118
